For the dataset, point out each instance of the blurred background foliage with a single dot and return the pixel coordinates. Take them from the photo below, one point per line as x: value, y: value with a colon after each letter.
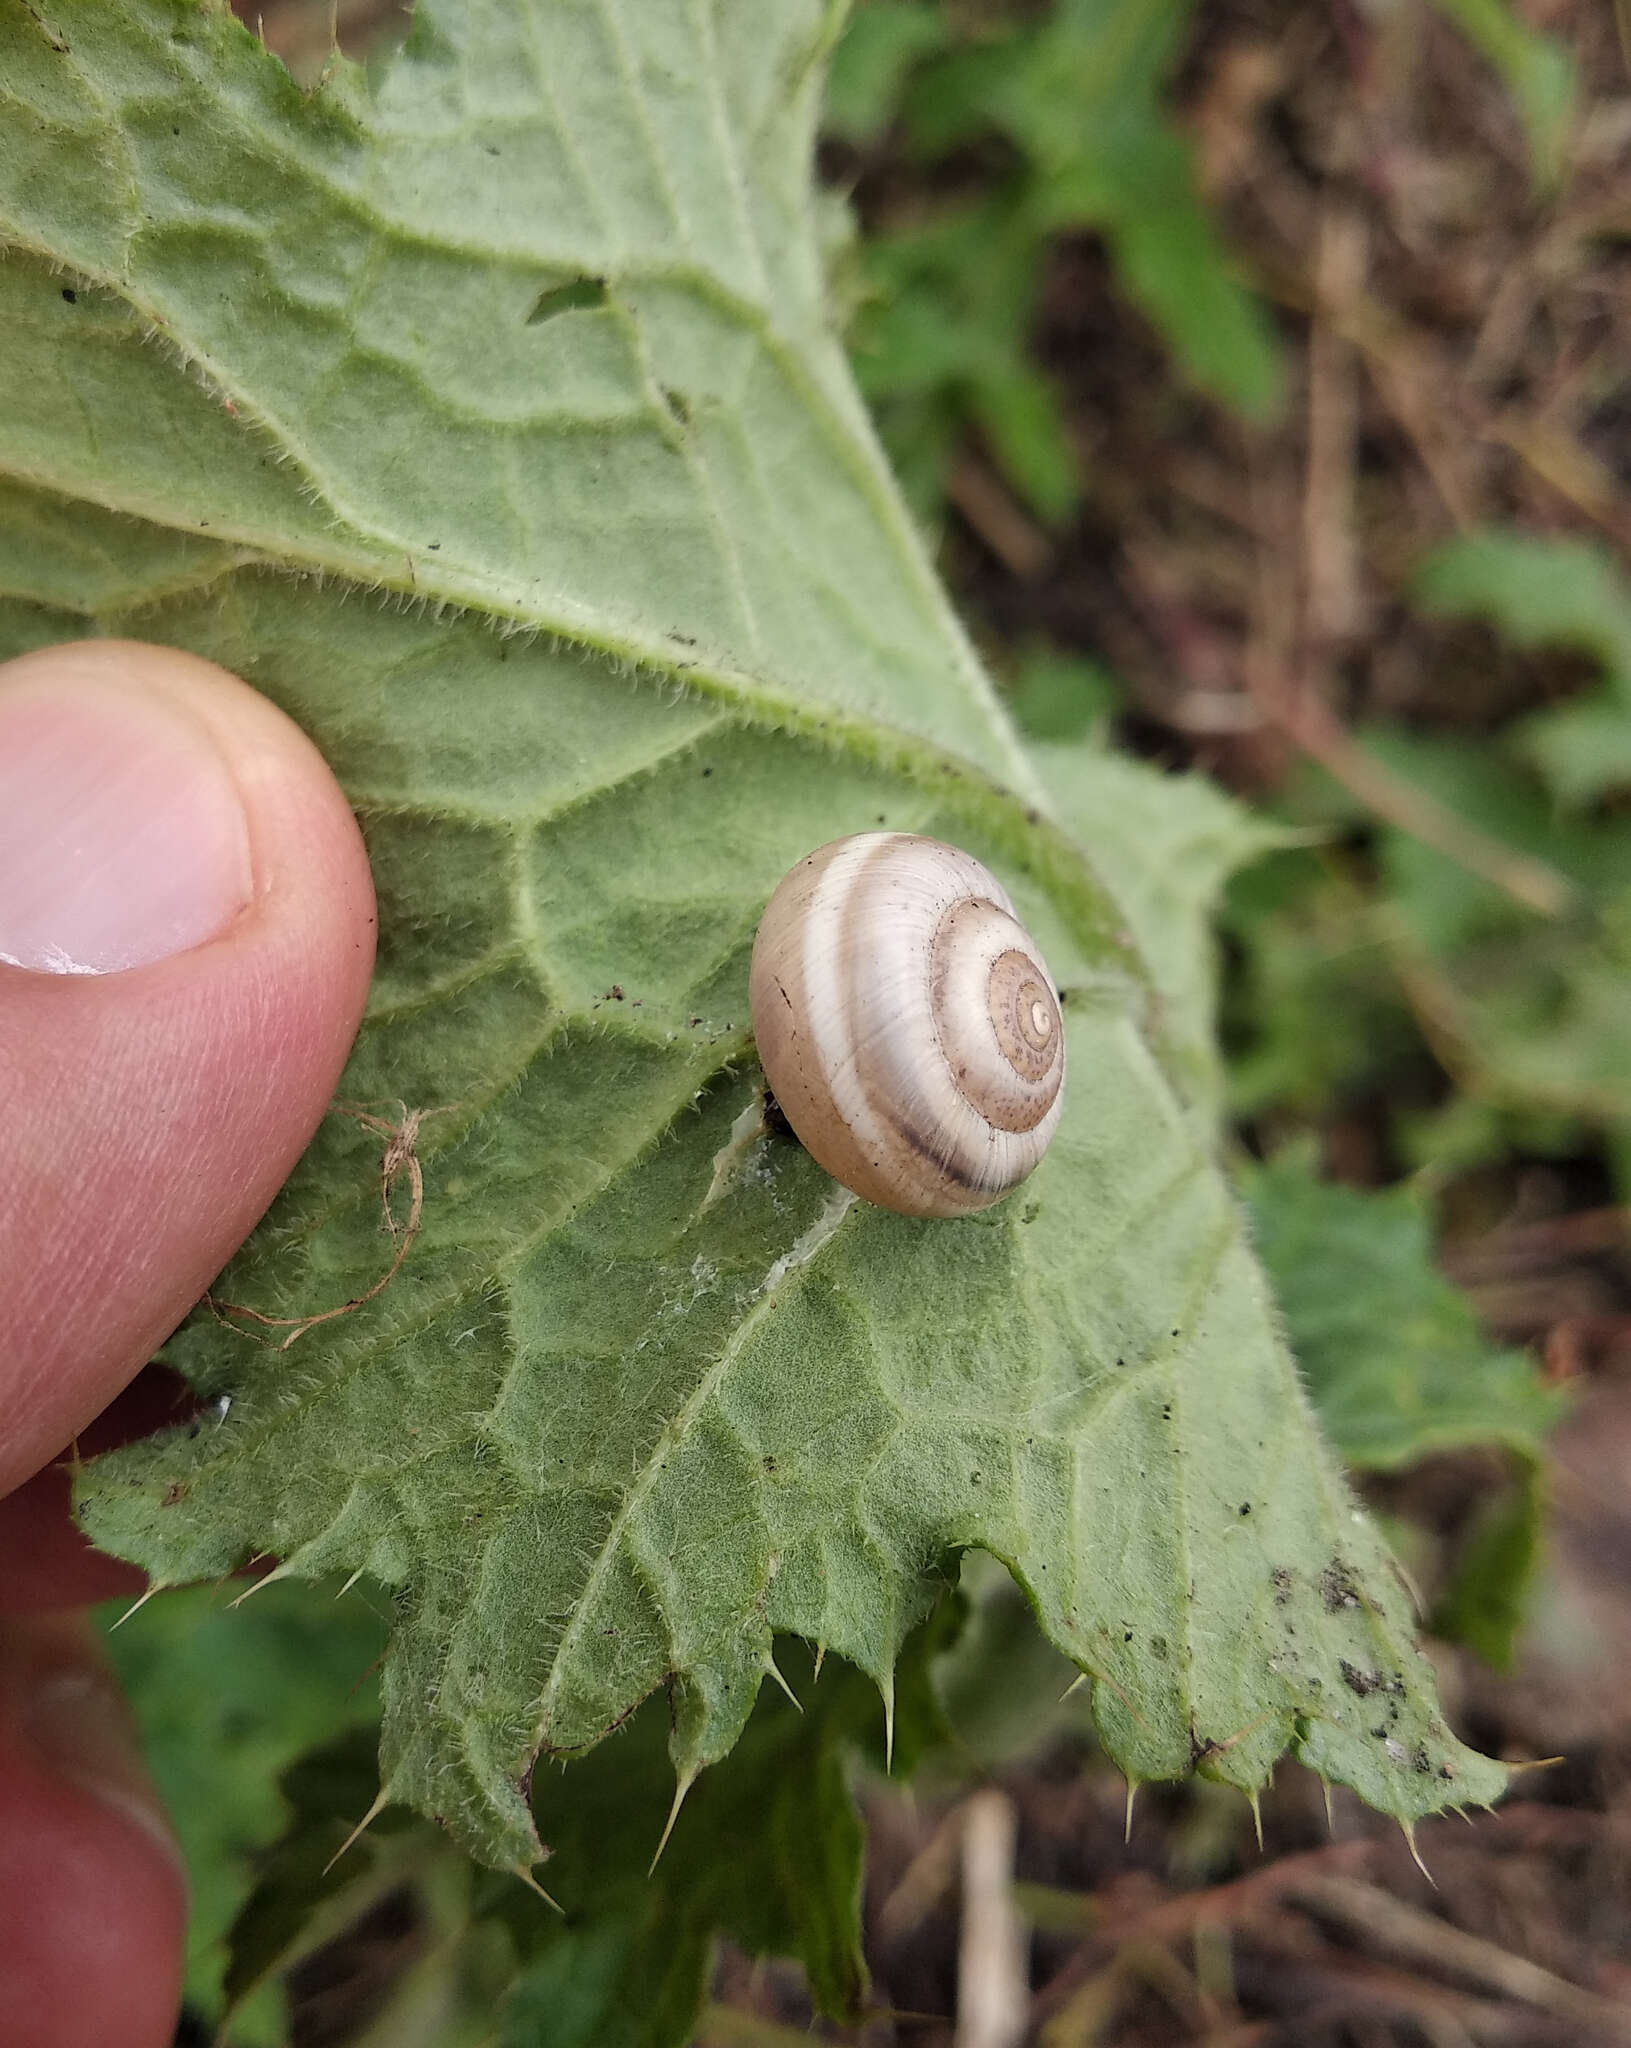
x: 1261, y: 372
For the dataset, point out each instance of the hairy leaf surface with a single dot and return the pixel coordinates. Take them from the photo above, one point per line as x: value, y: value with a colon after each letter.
x: 531, y: 333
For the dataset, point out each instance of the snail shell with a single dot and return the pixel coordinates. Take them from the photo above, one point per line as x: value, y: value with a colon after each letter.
x: 907, y: 1024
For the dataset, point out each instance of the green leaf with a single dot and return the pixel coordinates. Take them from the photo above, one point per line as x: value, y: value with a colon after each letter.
x: 1022, y: 419
x: 1531, y: 1007
x: 1087, y: 104
x: 1551, y: 593
x: 319, y: 264
x: 412, y: 1948
x: 1342, y: 989
x: 1004, y: 1691
x: 1536, y: 69
x: 1485, y: 1604
x: 226, y: 1699
x: 880, y: 45
x: 942, y: 338
x: 1536, y: 592
x: 1582, y: 751
x: 1192, y: 838
x: 1064, y: 697
x: 1392, y: 1352
x: 646, y: 1390
x: 1174, y: 268
x: 1312, y: 1012
x: 767, y: 1848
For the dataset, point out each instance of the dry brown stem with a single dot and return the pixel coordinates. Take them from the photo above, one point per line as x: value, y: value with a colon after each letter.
x: 400, y: 1159
x: 1425, y: 1941
x: 993, y: 1994
x: 1005, y: 527
x: 1315, y: 729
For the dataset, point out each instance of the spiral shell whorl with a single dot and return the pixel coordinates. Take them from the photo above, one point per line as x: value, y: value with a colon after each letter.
x: 907, y: 1024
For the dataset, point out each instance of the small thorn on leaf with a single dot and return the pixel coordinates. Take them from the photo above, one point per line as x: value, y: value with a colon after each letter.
x: 1075, y: 1685
x: 137, y: 1605
x: 521, y: 1871
x: 773, y: 1671
x: 260, y: 1585
x: 1257, y: 1817
x: 1408, y: 1830
x: 1330, y: 1815
x: 1132, y: 1794
x: 820, y: 1659
x: 889, y: 1725
x: 382, y: 1799
x: 687, y: 1779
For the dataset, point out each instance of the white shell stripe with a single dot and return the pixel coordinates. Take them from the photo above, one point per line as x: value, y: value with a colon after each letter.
x: 930, y: 1114
x: 904, y: 1102
x: 828, y: 1020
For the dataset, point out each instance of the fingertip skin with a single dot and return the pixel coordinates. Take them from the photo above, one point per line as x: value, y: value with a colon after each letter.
x: 149, y: 1116
x: 93, y: 1917
x: 93, y: 1896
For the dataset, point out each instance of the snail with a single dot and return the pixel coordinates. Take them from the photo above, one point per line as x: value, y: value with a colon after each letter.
x: 906, y: 1023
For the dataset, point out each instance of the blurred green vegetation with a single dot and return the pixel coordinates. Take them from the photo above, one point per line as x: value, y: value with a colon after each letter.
x: 228, y: 1697
x: 1019, y: 126
x: 1024, y: 130
x: 1375, y: 963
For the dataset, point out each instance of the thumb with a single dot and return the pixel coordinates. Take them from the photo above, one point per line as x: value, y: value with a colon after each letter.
x: 186, y: 936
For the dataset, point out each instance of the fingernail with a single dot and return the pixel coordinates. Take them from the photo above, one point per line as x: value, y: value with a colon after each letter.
x: 123, y: 839
x: 73, y: 1716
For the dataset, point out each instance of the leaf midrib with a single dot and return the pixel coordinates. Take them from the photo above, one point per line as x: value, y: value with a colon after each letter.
x: 674, y: 1433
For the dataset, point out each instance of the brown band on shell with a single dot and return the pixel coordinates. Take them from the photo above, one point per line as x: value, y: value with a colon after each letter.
x: 994, y: 1016
x: 1024, y: 1015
